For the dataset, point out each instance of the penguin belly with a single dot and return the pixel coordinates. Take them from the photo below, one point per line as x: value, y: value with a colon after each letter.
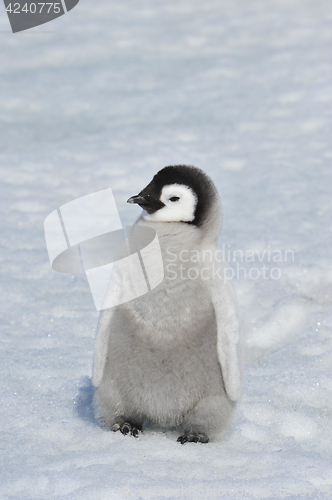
x: 160, y: 379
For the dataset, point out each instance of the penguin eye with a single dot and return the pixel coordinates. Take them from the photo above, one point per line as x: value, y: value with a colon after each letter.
x: 174, y: 198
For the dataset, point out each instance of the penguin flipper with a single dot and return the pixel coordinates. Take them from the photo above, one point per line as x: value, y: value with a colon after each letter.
x: 101, y: 345
x: 228, y: 332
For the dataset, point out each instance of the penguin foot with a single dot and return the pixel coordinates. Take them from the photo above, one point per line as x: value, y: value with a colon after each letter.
x: 126, y: 428
x: 193, y: 438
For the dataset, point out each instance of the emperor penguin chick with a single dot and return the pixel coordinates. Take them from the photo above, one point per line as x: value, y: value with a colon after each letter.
x: 171, y: 357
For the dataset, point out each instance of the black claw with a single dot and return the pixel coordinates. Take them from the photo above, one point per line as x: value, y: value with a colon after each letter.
x: 125, y: 428
x: 193, y: 438
x: 182, y: 439
x: 134, y: 432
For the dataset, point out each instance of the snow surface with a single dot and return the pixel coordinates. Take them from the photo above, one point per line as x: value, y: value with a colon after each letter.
x: 104, y: 97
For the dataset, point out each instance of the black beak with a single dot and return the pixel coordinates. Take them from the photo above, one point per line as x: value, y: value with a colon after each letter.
x: 149, y: 203
x: 140, y: 200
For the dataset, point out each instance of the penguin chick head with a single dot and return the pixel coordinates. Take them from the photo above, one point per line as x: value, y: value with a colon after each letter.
x: 177, y: 193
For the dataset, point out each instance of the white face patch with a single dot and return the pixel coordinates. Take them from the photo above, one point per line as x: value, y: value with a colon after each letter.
x: 180, y: 203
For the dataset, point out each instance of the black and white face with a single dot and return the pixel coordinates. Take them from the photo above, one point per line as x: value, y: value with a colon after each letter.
x: 179, y: 205
x: 176, y: 194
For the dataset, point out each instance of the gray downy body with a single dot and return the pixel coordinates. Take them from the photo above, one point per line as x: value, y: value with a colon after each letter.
x: 162, y: 365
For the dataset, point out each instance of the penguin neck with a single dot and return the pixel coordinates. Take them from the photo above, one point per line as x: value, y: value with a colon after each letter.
x: 177, y: 234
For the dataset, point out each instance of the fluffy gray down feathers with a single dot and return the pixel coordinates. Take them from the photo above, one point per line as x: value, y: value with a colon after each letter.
x: 171, y: 357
